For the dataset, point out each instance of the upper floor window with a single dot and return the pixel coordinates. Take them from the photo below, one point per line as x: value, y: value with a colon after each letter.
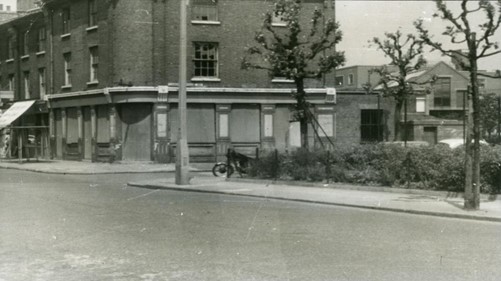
x: 26, y: 78
x: 277, y: 19
x: 350, y: 79
x: 26, y: 41
x: 442, y: 92
x: 11, y: 47
x: 204, y: 10
x: 42, y: 37
x: 339, y: 80
x: 93, y: 61
x: 92, y: 13
x: 67, y: 69
x: 41, y: 82
x: 12, y: 82
x: 66, y: 20
x: 205, y: 59
x: 420, y: 104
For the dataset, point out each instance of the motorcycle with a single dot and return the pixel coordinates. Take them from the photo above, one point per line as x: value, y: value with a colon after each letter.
x: 236, y: 162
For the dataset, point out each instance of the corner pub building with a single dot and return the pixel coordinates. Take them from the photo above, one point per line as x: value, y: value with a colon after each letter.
x: 104, y: 73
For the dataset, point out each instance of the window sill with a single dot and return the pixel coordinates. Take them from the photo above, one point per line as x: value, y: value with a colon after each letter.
x: 65, y: 36
x: 66, y: 87
x: 280, y: 80
x: 206, y: 22
x: 205, y: 79
x: 9, y: 61
x: 25, y: 57
x: 41, y: 53
x: 91, y: 28
x: 92, y: 83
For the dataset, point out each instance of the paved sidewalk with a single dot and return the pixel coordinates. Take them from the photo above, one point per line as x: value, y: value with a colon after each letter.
x: 431, y: 203
x: 87, y: 167
x: 378, y: 198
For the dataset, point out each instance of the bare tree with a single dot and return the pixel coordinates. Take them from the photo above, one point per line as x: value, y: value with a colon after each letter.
x: 405, y: 54
x: 460, y: 31
x: 296, y: 54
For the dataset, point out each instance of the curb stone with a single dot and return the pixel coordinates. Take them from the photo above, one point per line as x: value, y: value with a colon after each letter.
x: 198, y: 188
x: 375, y: 188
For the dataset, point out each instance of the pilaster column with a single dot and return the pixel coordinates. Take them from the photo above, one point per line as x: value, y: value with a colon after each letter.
x: 93, y: 132
x: 80, y: 132
x: 52, y: 134
x: 64, y: 122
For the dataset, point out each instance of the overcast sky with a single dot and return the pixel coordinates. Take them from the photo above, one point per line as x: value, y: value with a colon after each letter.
x: 362, y: 20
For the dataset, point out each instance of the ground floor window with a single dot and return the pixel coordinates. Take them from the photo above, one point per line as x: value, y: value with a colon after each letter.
x: 371, y: 125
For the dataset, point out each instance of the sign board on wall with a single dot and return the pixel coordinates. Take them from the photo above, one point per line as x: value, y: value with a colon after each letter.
x: 162, y: 125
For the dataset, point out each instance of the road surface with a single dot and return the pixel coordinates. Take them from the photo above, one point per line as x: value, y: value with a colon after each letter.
x: 62, y: 227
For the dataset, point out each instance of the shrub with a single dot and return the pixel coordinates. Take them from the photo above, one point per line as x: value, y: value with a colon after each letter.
x: 425, y: 167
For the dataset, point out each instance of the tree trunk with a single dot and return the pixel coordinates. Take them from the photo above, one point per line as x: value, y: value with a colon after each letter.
x: 472, y: 192
x: 396, y: 121
x: 468, y: 162
x: 303, y: 124
x: 302, y: 108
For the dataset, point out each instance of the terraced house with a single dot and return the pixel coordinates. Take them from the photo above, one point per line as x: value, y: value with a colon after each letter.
x: 103, y: 79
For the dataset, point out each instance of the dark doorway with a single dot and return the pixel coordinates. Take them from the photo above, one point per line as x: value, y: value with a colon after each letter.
x: 430, y: 135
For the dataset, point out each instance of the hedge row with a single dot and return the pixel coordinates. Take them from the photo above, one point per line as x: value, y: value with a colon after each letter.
x: 425, y: 167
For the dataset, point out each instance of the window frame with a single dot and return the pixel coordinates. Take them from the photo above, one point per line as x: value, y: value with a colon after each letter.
x: 198, y: 7
x: 371, y: 131
x: 41, y: 39
x: 421, y: 100
x: 26, y: 85
x: 26, y: 41
x: 442, y: 98
x: 351, y: 79
x: 11, y: 48
x: 12, y: 82
x: 212, y: 64
x: 93, y: 64
x: 66, y: 21
x: 336, y: 80
x: 92, y: 13
x: 41, y: 82
x: 277, y: 20
x: 67, y: 69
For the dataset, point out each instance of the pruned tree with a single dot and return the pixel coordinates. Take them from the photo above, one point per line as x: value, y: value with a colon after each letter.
x: 462, y: 32
x: 295, y: 52
x: 405, y: 53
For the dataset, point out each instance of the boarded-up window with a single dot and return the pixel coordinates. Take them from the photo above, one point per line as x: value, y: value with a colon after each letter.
x: 103, y: 124
x: 326, y: 125
x: 420, y: 104
x: 244, y: 123
x: 201, y: 123
x: 268, y: 125
x: 72, y: 125
x: 59, y: 133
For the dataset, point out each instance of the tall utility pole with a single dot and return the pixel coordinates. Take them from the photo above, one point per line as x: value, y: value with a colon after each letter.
x: 182, y: 155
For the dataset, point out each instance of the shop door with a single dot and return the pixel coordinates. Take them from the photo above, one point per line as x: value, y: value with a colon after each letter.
x: 136, y: 131
x: 87, y: 134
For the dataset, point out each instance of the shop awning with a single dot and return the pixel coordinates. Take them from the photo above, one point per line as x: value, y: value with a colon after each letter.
x: 16, y: 110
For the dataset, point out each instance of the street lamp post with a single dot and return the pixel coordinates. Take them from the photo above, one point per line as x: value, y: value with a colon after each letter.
x: 182, y: 155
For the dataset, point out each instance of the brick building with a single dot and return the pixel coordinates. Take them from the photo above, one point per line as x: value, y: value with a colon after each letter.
x: 104, y: 74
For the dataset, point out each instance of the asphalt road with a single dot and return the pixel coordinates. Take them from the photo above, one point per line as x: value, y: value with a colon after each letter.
x: 56, y: 227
